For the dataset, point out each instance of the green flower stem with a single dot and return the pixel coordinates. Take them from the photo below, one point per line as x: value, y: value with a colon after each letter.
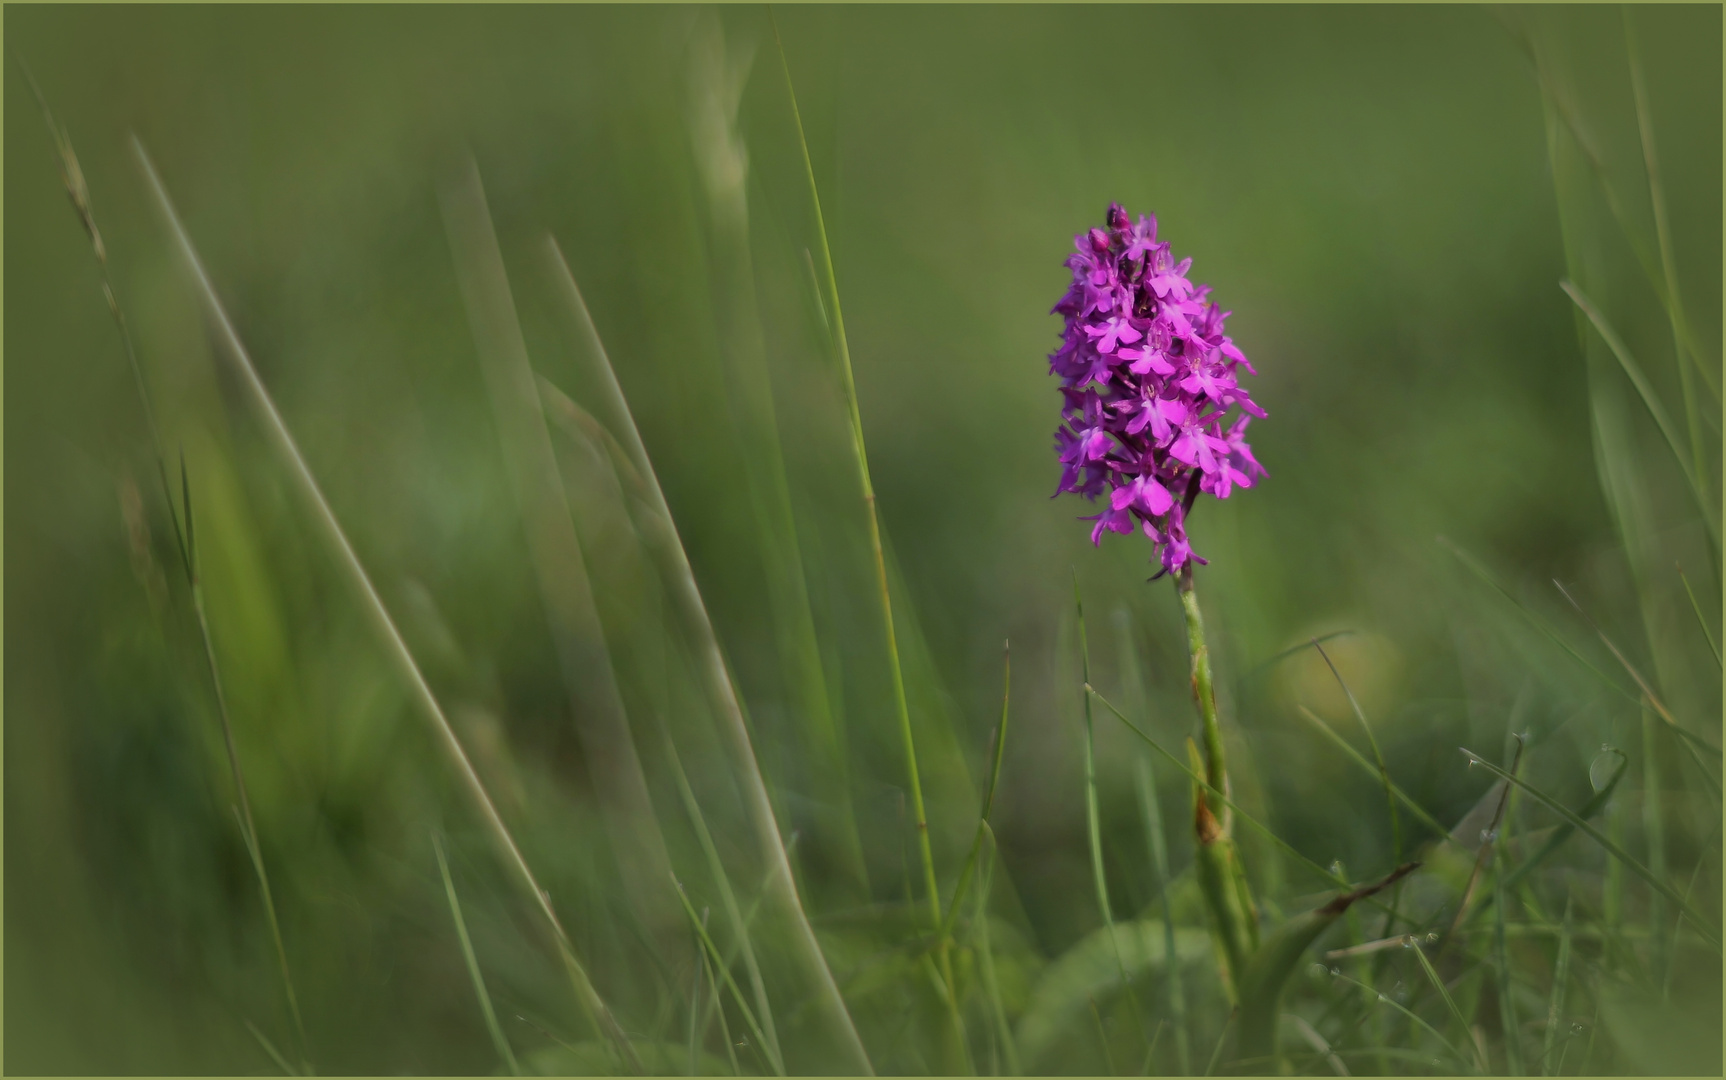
x: 1223, y: 881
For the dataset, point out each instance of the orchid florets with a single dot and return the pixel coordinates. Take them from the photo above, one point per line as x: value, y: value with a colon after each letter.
x: 1148, y: 382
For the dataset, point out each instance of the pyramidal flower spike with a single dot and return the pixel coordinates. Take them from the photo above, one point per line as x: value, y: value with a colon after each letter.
x: 1153, y: 411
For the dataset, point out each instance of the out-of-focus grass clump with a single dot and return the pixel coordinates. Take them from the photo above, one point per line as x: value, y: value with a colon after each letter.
x: 1389, y: 200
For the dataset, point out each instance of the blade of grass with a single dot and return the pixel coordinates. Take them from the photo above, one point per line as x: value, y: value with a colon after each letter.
x: 1488, y: 839
x: 1000, y: 745
x: 1707, y: 634
x: 72, y: 178
x: 730, y: 982
x: 583, y: 653
x: 1501, y: 967
x: 1383, y: 772
x: 997, y: 1008
x: 1663, y: 236
x: 1707, y: 932
x: 1564, y: 113
x: 661, y: 538
x: 1198, y: 778
x: 1560, y: 978
x: 498, y: 1040
x: 270, y: 1049
x: 1651, y: 401
x: 727, y: 898
x: 1540, y: 624
x: 924, y: 849
x: 717, y: 79
x: 1654, y: 837
x: 1384, y: 999
x: 1438, y: 984
x: 1151, y: 817
x: 1355, y: 756
x: 1559, y: 835
x: 300, y: 474
x: 1648, y: 693
x: 1093, y: 824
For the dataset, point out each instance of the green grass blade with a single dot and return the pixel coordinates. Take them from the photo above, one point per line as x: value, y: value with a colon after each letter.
x: 1355, y: 756
x: 270, y: 1049
x: 986, y: 953
x: 730, y: 982
x: 1708, y: 933
x: 1378, y: 757
x: 497, y: 1036
x: 1198, y: 778
x: 924, y: 850
x: 1501, y: 968
x: 1093, y: 823
x: 1540, y: 624
x: 554, y: 549
x: 282, y: 442
x: 1707, y: 634
x: 1560, y: 979
x: 1438, y: 984
x: 1385, y: 999
x: 1651, y: 401
x: 1000, y: 742
x: 1151, y: 817
x: 660, y: 536
x: 727, y: 897
x: 1668, y: 266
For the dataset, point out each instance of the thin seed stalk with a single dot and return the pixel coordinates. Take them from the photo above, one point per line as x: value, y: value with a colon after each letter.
x: 841, y: 346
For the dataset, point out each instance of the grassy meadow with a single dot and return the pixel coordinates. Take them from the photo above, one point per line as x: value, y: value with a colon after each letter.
x: 470, y: 597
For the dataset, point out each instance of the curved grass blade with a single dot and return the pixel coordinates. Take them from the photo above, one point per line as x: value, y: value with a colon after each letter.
x: 1355, y: 756
x: 1385, y: 999
x: 1651, y: 401
x: 1707, y: 634
x: 419, y: 691
x: 666, y: 547
x: 1378, y: 756
x: 467, y: 954
x: 1267, y: 973
x: 1707, y: 932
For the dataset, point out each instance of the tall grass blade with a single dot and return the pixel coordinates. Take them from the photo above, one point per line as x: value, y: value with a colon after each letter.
x: 728, y: 898
x: 1355, y: 756
x: 1385, y: 999
x: 1560, y: 980
x: 1663, y: 236
x: 1438, y: 984
x: 72, y: 178
x: 282, y: 442
x: 736, y: 992
x: 1651, y: 401
x: 1093, y: 824
x: 498, y: 1039
x: 1378, y: 757
x: 270, y: 1049
x: 1539, y: 623
x: 1000, y: 745
x: 584, y: 660
x: 666, y: 548
x: 1707, y: 932
x: 1707, y: 634
x: 856, y: 421
x: 1501, y: 968
x: 1151, y: 817
x: 1648, y: 693
x: 986, y: 954
x: 717, y: 73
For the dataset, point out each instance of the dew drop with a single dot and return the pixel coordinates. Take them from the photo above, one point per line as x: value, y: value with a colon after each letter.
x: 1335, y: 972
x: 1382, y: 999
x: 1317, y: 970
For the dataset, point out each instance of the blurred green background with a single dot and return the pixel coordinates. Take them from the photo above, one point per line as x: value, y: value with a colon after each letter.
x: 1369, y: 189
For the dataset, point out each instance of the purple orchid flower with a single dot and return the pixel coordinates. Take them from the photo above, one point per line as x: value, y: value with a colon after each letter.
x: 1149, y: 380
